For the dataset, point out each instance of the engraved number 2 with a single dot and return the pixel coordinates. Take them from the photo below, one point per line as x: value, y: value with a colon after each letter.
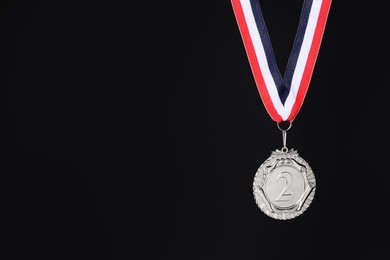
x: 286, y: 193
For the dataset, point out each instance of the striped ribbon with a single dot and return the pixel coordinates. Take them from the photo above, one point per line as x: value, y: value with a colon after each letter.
x: 282, y: 96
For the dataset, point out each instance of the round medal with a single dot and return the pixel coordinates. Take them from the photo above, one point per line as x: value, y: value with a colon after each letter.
x: 284, y: 185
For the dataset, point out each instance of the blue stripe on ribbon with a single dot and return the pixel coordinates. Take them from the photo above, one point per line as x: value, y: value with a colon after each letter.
x: 283, y: 84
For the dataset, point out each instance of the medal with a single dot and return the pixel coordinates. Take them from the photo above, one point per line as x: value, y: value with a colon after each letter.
x: 284, y: 185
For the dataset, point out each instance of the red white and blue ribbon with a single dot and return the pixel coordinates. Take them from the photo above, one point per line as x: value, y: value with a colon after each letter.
x: 282, y: 96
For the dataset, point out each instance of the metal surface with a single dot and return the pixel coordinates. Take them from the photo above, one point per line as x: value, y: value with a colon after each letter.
x: 284, y: 185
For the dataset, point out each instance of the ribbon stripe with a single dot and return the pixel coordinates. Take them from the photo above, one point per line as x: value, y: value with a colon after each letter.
x: 282, y: 96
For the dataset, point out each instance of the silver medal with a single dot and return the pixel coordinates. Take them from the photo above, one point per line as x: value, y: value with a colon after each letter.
x: 284, y: 185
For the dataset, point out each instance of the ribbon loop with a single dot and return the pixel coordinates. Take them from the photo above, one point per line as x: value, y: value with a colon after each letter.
x: 282, y: 96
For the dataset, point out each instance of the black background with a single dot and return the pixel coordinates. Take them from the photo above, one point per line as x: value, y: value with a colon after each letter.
x: 133, y: 130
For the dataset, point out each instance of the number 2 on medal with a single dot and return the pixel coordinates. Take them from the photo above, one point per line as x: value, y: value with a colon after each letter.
x: 286, y: 194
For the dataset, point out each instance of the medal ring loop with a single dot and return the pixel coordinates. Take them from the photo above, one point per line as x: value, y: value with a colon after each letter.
x: 287, y: 128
